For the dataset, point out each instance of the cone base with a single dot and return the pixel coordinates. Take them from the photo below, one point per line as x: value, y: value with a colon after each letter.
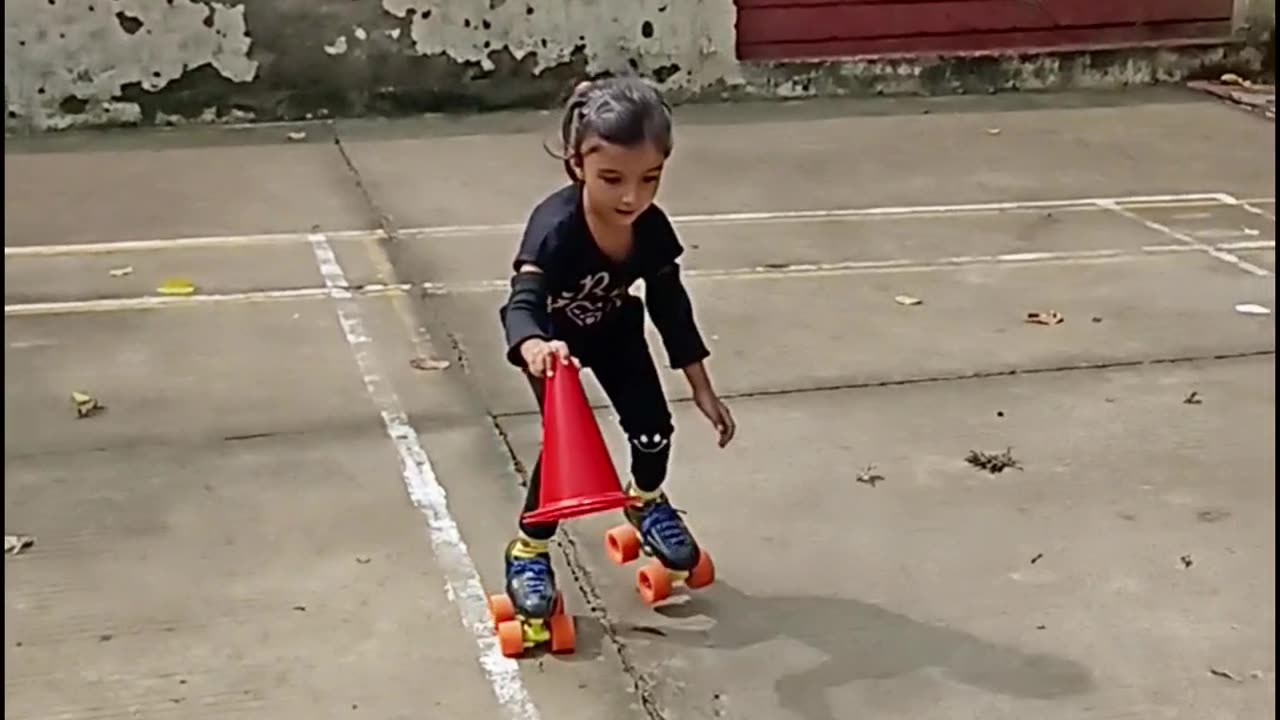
x: 579, y: 506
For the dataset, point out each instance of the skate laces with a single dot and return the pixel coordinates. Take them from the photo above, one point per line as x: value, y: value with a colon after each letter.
x: 663, y: 521
x: 534, y: 573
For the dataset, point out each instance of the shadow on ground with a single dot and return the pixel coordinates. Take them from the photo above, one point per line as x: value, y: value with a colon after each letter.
x: 865, y: 642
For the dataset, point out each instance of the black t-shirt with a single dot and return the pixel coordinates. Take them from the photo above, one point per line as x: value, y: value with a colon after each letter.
x: 586, y: 289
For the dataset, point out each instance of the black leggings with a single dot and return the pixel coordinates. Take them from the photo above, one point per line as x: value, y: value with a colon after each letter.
x: 623, y: 366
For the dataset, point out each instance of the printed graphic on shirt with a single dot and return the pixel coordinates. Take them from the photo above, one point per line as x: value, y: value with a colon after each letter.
x: 590, y: 301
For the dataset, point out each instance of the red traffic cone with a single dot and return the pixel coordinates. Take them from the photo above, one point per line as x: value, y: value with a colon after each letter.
x: 578, y: 476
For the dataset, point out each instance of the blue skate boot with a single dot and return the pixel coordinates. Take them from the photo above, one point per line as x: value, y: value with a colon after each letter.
x: 656, y: 529
x: 531, y: 612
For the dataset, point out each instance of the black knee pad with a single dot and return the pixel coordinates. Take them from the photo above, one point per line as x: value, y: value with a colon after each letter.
x: 649, y: 455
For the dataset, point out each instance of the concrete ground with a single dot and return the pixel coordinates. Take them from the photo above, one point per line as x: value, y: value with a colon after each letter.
x: 279, y: 516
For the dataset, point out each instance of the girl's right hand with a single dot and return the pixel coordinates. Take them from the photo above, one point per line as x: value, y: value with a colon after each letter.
x: 540, y: 356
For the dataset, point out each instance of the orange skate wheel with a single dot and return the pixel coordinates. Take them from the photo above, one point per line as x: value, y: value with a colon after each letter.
x: 653, y: 582
x: 563, y: 635
x: 702, y: 574
x: 502, y: 608
x: 511, y: 638
x: 622, y: 544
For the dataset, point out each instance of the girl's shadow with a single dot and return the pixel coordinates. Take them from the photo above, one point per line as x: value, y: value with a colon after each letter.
x: 864, y: 642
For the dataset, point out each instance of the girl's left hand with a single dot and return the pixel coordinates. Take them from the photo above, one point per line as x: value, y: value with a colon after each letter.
x: 718, y: 413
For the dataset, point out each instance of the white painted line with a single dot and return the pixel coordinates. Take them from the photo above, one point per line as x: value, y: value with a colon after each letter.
x: 463, y: 584
x: 734, y: 218
x: 852, y: 267
x: 1214, y: 252
x: 855, y: 267
x: 1223, y: 233
x: 1248, y: 205
x: 707, y: 219
x: 212, y: 241
x: 156, y: 302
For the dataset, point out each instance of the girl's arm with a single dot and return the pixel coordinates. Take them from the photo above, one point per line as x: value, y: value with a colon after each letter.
x: 672, y: 313
x: 525, y: 315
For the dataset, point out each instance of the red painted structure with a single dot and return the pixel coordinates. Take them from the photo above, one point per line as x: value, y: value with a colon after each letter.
x: 798, y: 29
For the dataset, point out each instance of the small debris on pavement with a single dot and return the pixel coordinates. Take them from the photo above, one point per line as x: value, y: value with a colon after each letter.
x: 1193, y: 398
x: 1040, y: 627
x: 1225, y: 674
x: 993, y: 131
x: 1048, y: 317
x: 1186, y: 561
x: 17, y: 544
x: 176, y: 286
x: 85, y: 404
x: 297, y: 135
x: 121, y: 271
x: 1096, y: 319
x: 362, y: 560
x: 719, y: 706
x: 1252, y: 309
x: 300, y: 608
x: 1037, y: 558
x: 907, y: 300
x: 994, y: 463
x: 999, y: 413
x: 869, y: 476
x: 1256, y: 674
x: 428, y: 364
x: 649, y: 630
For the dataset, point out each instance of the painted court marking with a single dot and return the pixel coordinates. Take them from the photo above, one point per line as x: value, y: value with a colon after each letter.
x: 1213, y: 251
x: 707, y: 219
x: 463, y: 584
x: 853, y: 267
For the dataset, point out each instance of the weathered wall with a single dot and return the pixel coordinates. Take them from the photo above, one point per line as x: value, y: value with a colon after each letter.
x: 100, y: 62
x: 76, y: 62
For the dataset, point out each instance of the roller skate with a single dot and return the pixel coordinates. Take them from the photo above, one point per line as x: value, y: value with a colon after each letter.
x: 656, y: 529
x: 531, y: 611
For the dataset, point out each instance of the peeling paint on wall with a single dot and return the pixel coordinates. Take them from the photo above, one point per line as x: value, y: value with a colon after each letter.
x: 68, y: 61
x: 682, y: 43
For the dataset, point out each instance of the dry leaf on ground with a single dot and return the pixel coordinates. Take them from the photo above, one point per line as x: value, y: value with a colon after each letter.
x: 86, y: 405
x: 16, y: 544
x: 176, y: 286
x: 1048, y: 317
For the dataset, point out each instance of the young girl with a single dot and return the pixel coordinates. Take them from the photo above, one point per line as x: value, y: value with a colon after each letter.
x: 583, y: 247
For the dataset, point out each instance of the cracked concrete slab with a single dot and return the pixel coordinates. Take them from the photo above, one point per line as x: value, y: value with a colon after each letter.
x: 832, y: 330
x: 230, y: 537
x: 850, y: 161
x: 1054, y: 592
x: 179, y: 192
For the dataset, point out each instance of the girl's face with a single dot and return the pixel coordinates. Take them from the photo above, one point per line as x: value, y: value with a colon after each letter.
x: 618, y: 182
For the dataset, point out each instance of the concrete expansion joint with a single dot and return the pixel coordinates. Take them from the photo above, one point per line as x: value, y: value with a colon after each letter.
x: 961, y: 377
x: 642, y: 683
